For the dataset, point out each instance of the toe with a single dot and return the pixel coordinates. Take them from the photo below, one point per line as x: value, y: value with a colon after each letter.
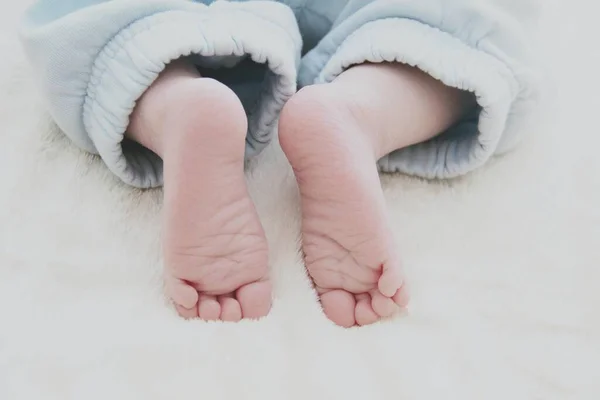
x: 181, y: 293
x: 187, y: 313
x: 231, y: 311
x: 364, y: 312
x: 402, y: 296
x: 209, y: 308
x: 339, y: 307
x: 383, y: 306
x: 391, y: 279
x: 255, y: 299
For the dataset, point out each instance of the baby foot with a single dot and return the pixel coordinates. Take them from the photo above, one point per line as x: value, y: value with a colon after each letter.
x: 348, y: 246
x: 215, y: 248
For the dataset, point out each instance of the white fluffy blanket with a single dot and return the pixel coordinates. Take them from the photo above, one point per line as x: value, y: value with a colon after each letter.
x: 505, y: 266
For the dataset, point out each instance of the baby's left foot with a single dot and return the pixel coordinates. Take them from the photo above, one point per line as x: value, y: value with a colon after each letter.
x: 333, y: 135
x: 348, y: 245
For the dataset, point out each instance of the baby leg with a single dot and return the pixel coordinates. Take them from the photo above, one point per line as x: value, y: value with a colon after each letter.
x: 214, y: 245
x: 333, y: 134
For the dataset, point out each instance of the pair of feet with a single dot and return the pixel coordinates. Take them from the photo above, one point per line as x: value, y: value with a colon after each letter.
x: 216, y: 252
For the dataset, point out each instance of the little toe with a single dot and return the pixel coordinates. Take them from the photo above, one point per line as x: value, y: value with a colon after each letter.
x: 383, y: 306
x: 231, y: 311
x: 209, y: 308
x: 255, y: 299
x: 181, y: 293
x: 364, y: 312
x: 391, y: 279
x: 339, y: 306
x: 187, y: 313
x: 402, y: 296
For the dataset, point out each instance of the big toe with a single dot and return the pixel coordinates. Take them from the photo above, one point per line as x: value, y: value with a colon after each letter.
x: 339, y: 307
x: 255, y: 299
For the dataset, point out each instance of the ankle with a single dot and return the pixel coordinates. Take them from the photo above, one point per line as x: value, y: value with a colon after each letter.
x: 399, y: 106
x: 147, y: 121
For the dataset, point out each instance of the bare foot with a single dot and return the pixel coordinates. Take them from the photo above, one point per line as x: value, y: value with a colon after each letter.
x: 215, y: 248
x: 347, y: 244
x: 333, y: 135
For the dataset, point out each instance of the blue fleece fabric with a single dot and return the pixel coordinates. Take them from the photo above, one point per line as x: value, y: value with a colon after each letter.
x: 95, y: 58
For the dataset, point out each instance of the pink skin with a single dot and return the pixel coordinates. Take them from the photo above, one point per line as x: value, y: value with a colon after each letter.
x: 333, y: 135
x: 216, y: 255
x: 215, y: 248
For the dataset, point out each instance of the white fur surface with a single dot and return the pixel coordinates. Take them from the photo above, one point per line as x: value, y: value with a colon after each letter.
x: 504, y: 265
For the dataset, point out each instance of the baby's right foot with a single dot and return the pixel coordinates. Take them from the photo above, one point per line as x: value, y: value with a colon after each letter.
x: 215, y: 248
